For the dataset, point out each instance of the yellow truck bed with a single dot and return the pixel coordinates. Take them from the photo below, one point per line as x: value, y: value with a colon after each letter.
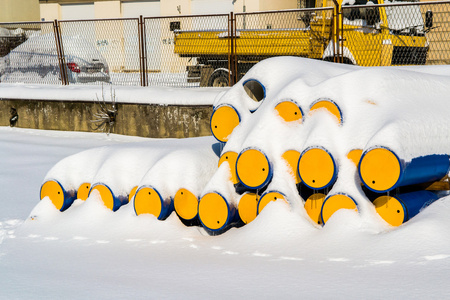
x: 261, y: 42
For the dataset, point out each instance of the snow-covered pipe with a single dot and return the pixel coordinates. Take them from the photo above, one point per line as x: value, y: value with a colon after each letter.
x: 398, y: 209
x: 355, y: 156
x: 253, y: 168
x: 186, y: 204
x: 217, y: 213
x: 291, y: 157
x: 186, y: 171
x: 268, y: 197
x: 230, y: 157
x: 224, y: 119
x: 313, y: 207
x: 382, y: 170
x: 148, y: 200
x: 328, y: 105
x: 317, y: 168
x: 217, y: 209
x: 255, y: 90
x: 123, y: 168
x: 132, y: 193
x: 335, y: 202
x: 111, y: 200
x: 60, y: 197
x: 289, y: 111
x: 247, y: 206
x: 83, y: 191
x: 70, y: 175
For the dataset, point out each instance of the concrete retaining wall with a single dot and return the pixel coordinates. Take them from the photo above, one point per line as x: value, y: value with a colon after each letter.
x: 146, y: 120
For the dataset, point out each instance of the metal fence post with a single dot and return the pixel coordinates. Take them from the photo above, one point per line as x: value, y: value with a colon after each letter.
x: 230, y: 47
x: 60, y: 52
x: 336, y: 32
x: 142, y: 52
x: 232, y: 61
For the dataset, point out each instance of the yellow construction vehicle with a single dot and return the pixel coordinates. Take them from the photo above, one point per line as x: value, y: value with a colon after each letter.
x: 354, y: 32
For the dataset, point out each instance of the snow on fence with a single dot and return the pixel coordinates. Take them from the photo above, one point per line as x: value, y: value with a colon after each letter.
x: 217, y: 50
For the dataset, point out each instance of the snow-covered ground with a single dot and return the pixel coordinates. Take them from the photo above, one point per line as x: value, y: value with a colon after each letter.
x: 122, y: 94
x: 91, y: 252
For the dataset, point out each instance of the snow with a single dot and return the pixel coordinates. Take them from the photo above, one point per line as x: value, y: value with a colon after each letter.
x: 123, y: 94
x: 91, y: 252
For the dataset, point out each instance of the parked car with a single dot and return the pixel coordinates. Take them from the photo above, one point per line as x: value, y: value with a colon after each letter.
x: 36, y: 61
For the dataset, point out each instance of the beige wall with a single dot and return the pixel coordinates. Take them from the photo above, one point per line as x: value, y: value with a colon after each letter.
x: 107, y: 9
x: 19, y: 10
x: 113, y: 8
x: 277, y: 5
x: 169, y: 7
x: 103, y: 9
x: 50, y: 11
x: 250, y: 5
x: 263, y: 5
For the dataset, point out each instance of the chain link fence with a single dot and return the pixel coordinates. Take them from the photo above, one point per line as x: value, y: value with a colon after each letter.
x: 28, y: 53
x: 180, y: 49
x: 101, y: 51
x: 396, y: 34
x: 217, y: 50
x: 304, y: 32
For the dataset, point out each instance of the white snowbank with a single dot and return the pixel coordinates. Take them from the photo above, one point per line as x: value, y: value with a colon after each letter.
x: 281, y: 253
x: 124, y: 94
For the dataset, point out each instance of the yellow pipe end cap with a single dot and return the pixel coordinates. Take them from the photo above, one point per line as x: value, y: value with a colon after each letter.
x: 267, y: 198
x: 83, y: 191
x: 247, y: 207
x: 380, y: 169
x: 147, y: 201
x: 329, y: 106
x: 289, y: 111
x: 105, y: 194
x: 132, y: 193
x: 390, y: 209
x: 335, y: 203
x: 291, y: 157
x: 313, y: 206
x: 54, y: 191
x: 213, y: 211
x: 186, y: 204
x: 355, y: 156
x: 316, y: 168
x: 223, y: 121
x: 252, y: 168
x: 230, y: 157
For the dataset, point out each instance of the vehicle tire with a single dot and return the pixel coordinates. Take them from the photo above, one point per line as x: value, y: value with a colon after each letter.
x: 219, y: 78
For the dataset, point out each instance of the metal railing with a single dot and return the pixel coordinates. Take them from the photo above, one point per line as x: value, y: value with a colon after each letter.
x: 216, y: 50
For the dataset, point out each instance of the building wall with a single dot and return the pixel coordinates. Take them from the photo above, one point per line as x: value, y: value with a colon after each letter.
x: 107, y: 9
x: 50, y: 11
x: 263, y: 5
x: 277, y: 5
x: 246, y: 6
x: 175, y: 7
x: 19, y: 10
